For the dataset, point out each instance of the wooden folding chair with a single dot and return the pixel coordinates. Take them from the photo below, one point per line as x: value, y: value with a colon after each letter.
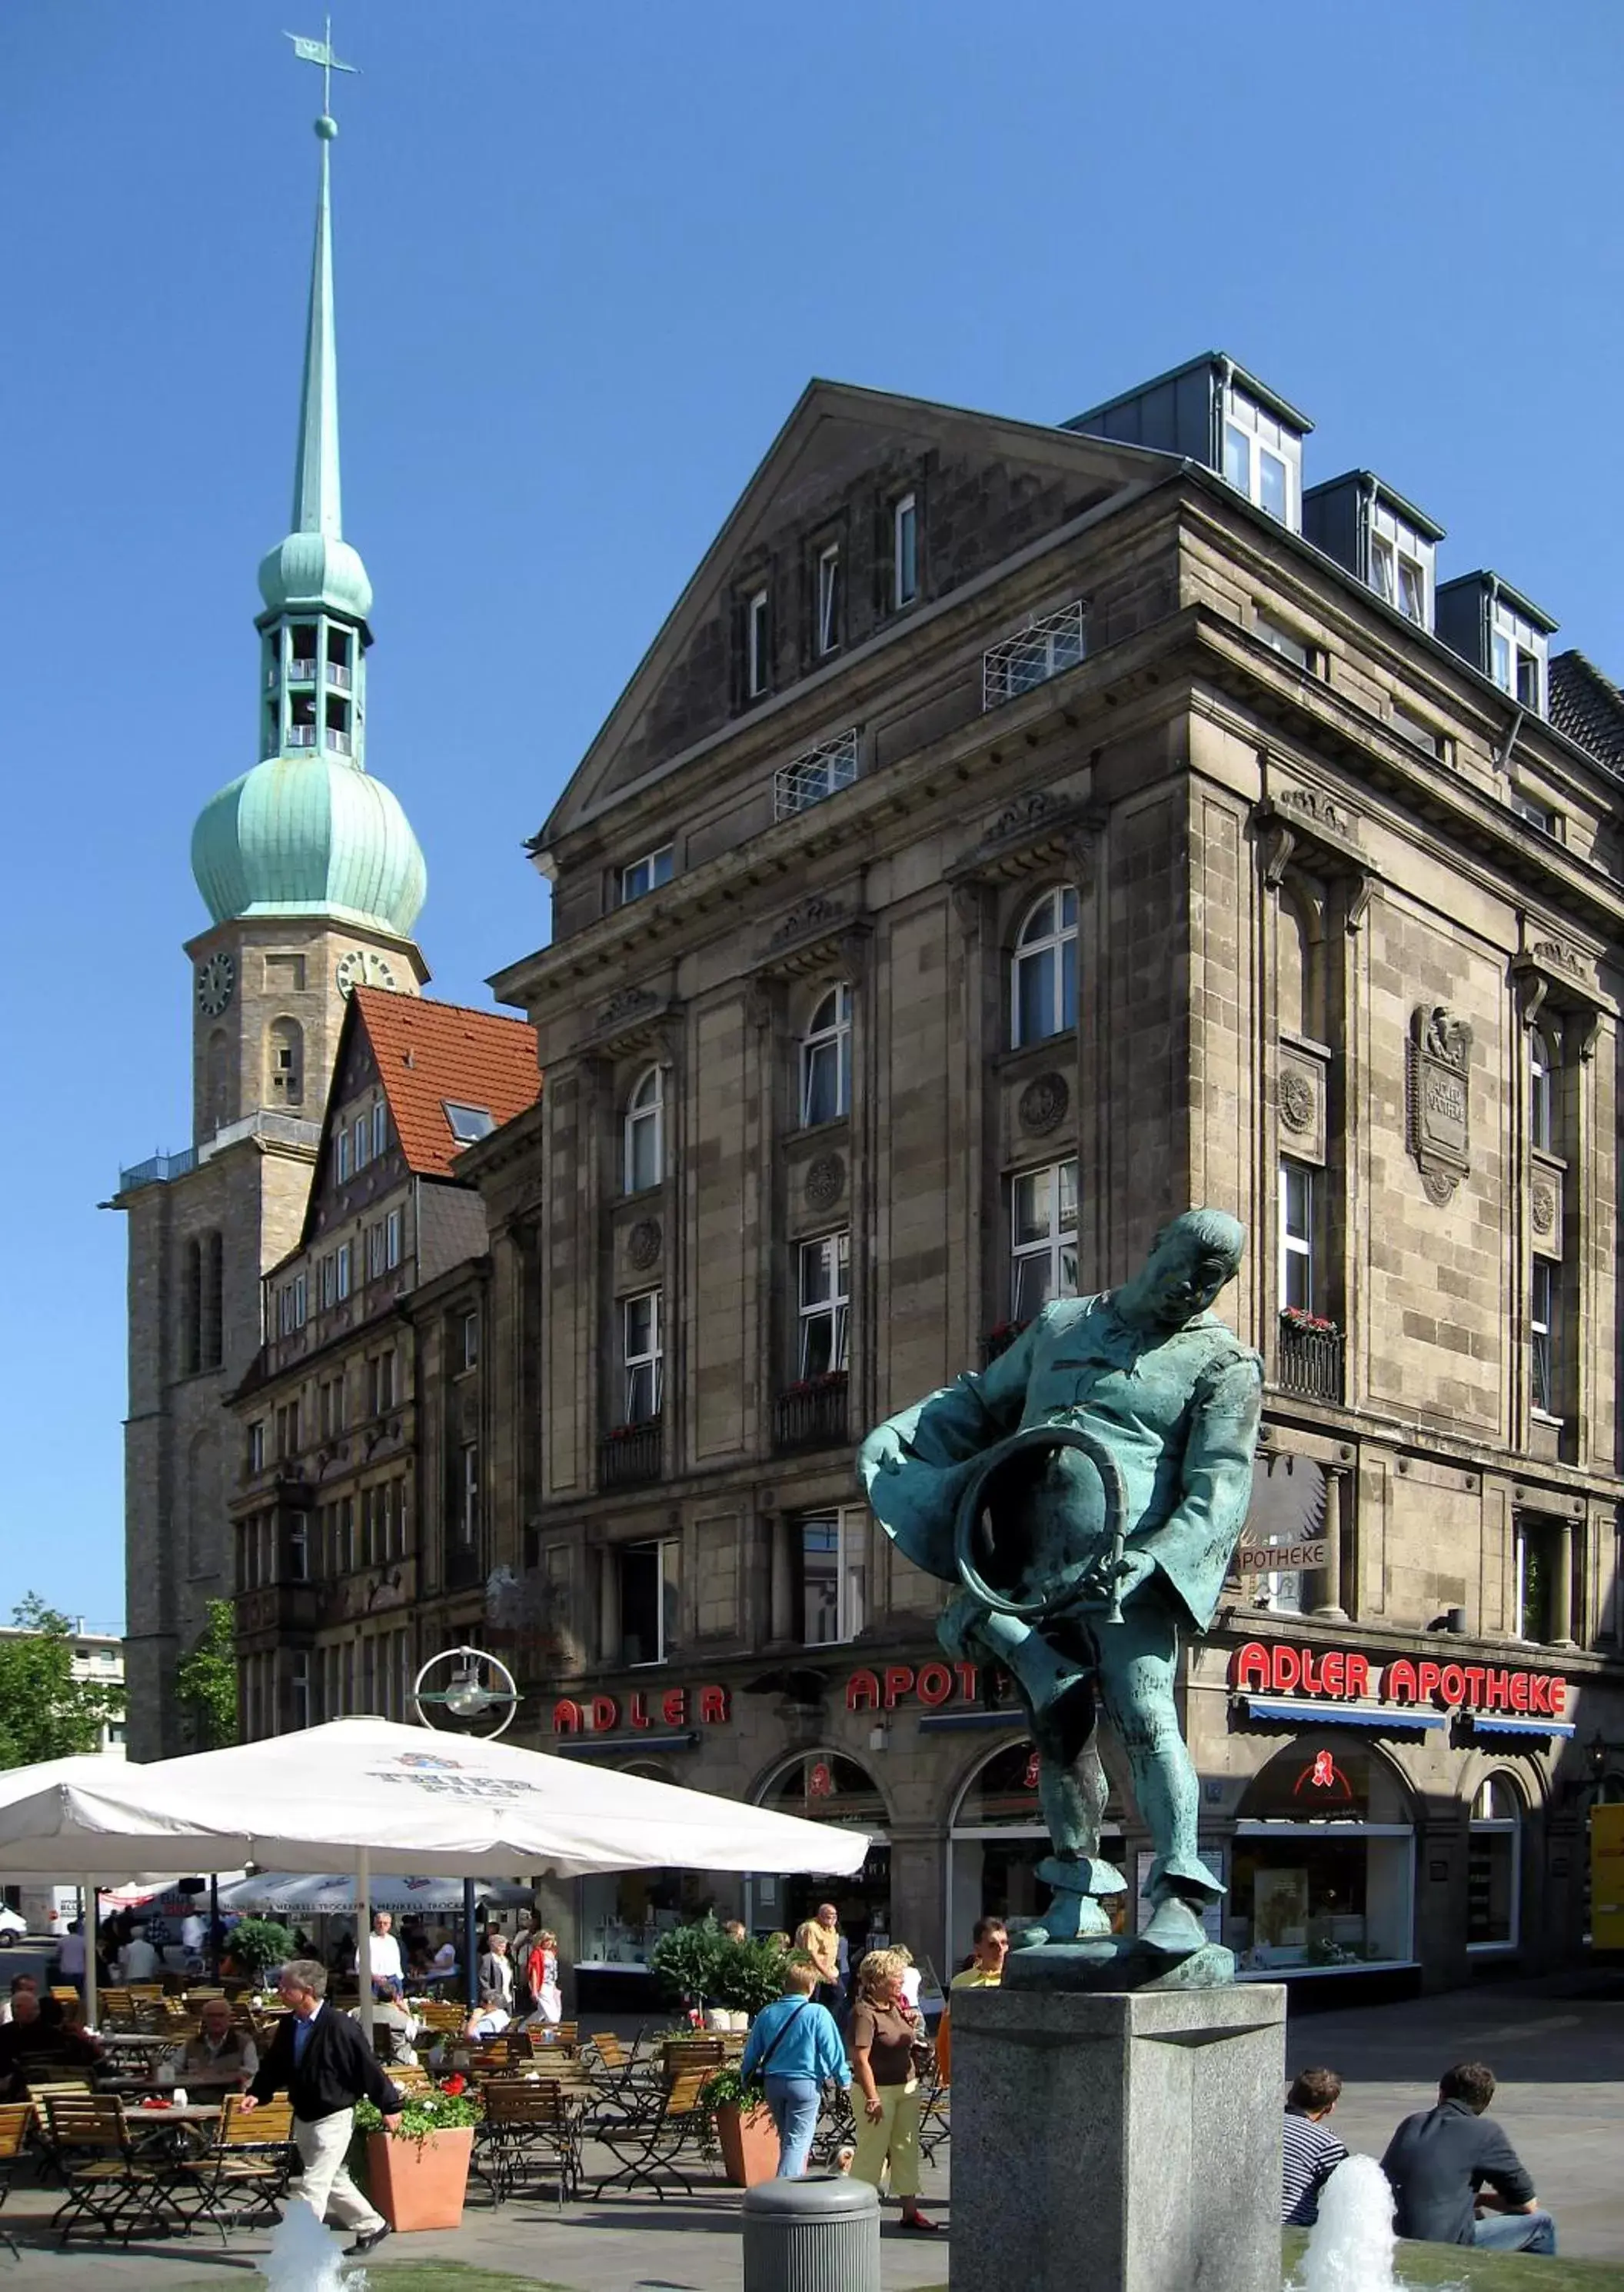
x: 107, y: 2186
x: 243, y: 2176
x: 16, y: 2123
x: 527, y: 2122
x: 646, y: 2148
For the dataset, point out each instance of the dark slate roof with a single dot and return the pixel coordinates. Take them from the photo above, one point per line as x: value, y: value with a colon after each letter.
x: 1588, y: 707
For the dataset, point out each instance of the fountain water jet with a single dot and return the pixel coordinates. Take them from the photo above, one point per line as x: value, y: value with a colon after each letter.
x: 1350, y: 2246
x: 305, y: 2257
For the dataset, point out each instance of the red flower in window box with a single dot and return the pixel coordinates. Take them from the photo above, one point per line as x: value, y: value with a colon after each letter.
x: 1313, y: 1324
x: 630, y: 1432
x: 832, y: 1380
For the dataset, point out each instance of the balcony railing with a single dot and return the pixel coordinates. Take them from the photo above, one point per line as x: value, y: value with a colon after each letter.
x: 820, y: 772
x: 302, y: 736
x: 300, y: 670
x: 1308, y: 1358
x: 1048, y: 646
x: 338, y: 675
x: 813, y: 1415
x: 339, y: 742
x: 158, y: 1169
x: 630, y: 1454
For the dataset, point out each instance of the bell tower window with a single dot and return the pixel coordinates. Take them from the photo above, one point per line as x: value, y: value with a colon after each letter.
x: 336, y: 722
x: 285, y: 1058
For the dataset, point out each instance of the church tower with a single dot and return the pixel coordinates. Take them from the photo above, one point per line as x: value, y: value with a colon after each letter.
x: 313, y: 881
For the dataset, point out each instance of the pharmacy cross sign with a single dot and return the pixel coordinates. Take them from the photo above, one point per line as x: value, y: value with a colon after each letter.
x: 320, y: 52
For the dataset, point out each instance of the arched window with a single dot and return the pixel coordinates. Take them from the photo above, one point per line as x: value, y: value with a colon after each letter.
x: 1494, y: 1863
x: 825, y: 1059
x: 1044, y: 972
x: 1542, y: 1065
x: 216, y: 1082
x: 285, y: 1063
x: 1322, y: 1860
x: 825, y: 1786
x: 191, y: 1307
x: 644, y: 1133
x: 212, y: 1303
x: 997, y: 1840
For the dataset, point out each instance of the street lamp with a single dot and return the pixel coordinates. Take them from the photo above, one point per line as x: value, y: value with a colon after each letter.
x: 478, y: 1686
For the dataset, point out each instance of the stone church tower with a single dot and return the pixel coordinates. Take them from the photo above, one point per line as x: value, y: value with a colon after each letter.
x: 313, y: 881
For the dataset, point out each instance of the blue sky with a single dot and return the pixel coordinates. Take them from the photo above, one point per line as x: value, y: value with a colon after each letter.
x: 586, y: 259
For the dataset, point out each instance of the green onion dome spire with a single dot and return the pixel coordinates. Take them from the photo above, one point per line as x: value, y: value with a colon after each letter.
x: 309, y: 831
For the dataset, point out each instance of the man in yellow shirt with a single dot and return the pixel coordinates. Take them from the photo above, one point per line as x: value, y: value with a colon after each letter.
x: 820, y: 1939
x: 991, y: 1940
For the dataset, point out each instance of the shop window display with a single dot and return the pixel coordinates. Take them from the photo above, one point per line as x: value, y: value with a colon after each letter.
x: 623, y: 1913
x: 823, y: 1785
x: 1322, y: 1877
x: 997, y: 1840
x: 1493, y: 1866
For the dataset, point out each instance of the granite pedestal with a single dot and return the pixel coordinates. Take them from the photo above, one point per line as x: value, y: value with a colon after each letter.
x: 1117, y: 2140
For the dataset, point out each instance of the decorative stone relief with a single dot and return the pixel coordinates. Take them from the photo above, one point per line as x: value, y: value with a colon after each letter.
x: 644, y: 1244
x: 630, y: 1003
x: 1043, y: 1103
x: 1438, y: 1065
x: 825, y: 1182
x: 1543, y: 1206
x: 1296, y: 1100
x: 813, y: 914
x: 1300, y: 1099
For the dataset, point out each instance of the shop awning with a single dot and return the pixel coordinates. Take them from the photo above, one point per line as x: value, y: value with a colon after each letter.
x: 1298, y: 1709
x: 1484, y: 1725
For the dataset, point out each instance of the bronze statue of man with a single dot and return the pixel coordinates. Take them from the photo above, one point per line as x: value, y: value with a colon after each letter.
x: 1085, y: 1491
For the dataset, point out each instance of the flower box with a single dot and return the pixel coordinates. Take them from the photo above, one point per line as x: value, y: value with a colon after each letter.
x: 748, y: 2140
x: 419, y: 2181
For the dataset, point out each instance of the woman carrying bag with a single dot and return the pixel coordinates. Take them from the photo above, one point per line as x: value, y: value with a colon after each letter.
x: 794, y: 2045
x: 889, y: 2047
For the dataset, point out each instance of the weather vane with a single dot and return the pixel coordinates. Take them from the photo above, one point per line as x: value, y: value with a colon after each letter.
x: 320, y: 52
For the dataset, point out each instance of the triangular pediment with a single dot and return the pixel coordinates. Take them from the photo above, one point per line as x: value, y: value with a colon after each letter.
x: 986, y: 486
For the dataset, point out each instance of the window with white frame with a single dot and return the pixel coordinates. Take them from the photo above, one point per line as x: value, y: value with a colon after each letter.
x: 645, y: 874
x: 374, y: 1251
x: 1283, y: 641
x: 1494, y: 1866
x: 343, y: 1157
x: 380, y: 1129
x: 471, y: 1340
x: 1543, y: 1295
x: 1541, y: 1091
x: 1042, y: 1238
x: 1398, y: 579
x: 1262, y: 459
x: 905, y: 550
x: 829, y: 602
x: 824, y: 1304
x: 299, y: 1689
x: 360, y: 1141
x: 256, y: 1445
x: 758, y: 653
x: 1535, y: 1556
x: 392, y: 1240
x: 1517, y: 656
x: 1043, y: 973
x: 298, y: 1547
x: 1047, y: 645
x: 650, y: 1584
x: 825, y: 1059
x: 329, y: 1280
x: 343, y: 1257
x: 380, y: 1382
x: 642, y: 1360
x: 833, y: 1575
x: 644, y: 1133
x: 1297, y: 1285
x: 467, y: 1123
x: 467, y: 1507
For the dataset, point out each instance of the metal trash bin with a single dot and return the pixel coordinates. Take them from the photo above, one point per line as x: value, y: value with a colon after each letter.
x: 819, y: 2234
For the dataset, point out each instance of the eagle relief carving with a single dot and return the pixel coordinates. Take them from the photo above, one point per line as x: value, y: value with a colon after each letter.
x: 1438, y: 1066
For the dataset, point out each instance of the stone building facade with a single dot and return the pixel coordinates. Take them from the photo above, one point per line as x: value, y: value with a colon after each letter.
x: 362, y: 1431
x: 1014, y: 834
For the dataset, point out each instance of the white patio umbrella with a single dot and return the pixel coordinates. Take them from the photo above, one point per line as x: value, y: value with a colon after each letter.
x: 379, y: 1795
x: 292, y: 1894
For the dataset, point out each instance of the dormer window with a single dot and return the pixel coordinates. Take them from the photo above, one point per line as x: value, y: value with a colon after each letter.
x: 468, y: 1123
x: 1262, y: 459
x: 1400, y: 581
x: 1516, y: 659
x: 1500, y: 633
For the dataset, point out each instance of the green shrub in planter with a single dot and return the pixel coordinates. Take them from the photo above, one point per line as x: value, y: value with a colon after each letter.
x: 686, y: 1959
x: 748, y: 1975
x: 257, y: 1944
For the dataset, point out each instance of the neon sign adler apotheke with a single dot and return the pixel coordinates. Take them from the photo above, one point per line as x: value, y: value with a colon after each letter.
x: 1342, y: 1674
x: 677, y: 1706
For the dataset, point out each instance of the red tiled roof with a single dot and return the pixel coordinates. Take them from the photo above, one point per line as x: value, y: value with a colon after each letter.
x: 428, y: 1053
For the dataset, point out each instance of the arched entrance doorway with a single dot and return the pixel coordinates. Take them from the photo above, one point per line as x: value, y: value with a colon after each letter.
x: 996, y: 1839
x: 1323, y: 1879
x: 1494, y: 1866
x: 825, y: 1786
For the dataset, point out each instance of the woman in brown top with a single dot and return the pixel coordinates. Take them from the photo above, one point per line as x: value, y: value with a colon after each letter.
x: 884, y: 2033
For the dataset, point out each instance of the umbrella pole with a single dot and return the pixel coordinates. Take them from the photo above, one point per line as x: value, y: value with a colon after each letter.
x: 87, y: 1934
x: 471, y: 1977
x: 211, y: 1956
x: 363, y: 1938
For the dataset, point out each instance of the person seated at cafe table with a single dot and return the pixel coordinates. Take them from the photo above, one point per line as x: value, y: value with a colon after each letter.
x: 218, y: 2058
x: 20, y: 1982
x: 35, y: 2041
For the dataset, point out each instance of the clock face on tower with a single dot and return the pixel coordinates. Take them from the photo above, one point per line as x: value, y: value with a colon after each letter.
x: 215, y: 979
x: 359, y: 968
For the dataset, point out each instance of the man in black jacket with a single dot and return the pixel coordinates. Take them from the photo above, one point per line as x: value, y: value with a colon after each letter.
x: 320, y: 2058
x: 1457, y: 2178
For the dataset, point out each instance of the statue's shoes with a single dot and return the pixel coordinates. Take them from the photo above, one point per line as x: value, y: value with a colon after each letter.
x: 1087, y: 1877
x: 1174, y: 1930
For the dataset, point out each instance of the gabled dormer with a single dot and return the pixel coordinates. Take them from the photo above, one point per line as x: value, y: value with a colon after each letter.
x: 1500, y: 631
x: 1214, y: 412
x: 1381, y: 538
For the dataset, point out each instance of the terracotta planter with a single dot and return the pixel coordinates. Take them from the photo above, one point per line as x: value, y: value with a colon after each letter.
x: 420, y: 2184
x: 749, y: 2144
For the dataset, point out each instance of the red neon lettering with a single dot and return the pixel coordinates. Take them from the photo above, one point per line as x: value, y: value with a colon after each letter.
x: 898, y: 1681
x: 1452, y: 1686
x: 638, y: 1715
x: 1288, y: 1669
x: 565, y: 1717
x: 1559, y: 1697
x: 605, y: 1712
x: 1249, y: 1666
x: 1398, y: 1683
x: 967, y: 1678
x: 1333, y: 1672
x: 1427, y: 1678
x: 1313, y: 1682
x: 1497, y: 1689
x: 674, y: 1708
x: 1474, y: 1686
x: 1519, y: 1691
x: 712, y: 1707
x: 935, y: 1683
x: 863, y: 1691
x: 1358, y: 1669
